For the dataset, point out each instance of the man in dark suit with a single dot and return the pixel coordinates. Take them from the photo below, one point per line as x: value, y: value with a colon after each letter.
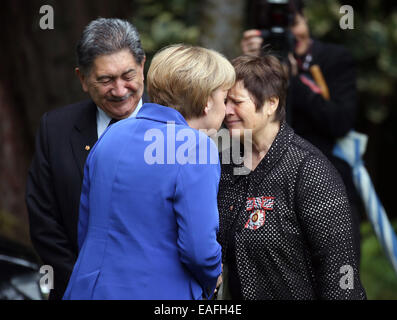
x: 110, y: 68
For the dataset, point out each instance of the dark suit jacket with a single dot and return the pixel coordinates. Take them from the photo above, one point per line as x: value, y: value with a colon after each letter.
x: 63, y: 141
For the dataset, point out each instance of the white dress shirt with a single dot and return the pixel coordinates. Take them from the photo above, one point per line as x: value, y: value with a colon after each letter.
x: 103, y: 120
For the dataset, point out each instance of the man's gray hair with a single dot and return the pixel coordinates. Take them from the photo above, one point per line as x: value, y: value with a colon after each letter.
x: 107, y: 36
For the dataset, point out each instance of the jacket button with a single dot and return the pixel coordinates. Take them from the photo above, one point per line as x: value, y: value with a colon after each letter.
x: 231, y: 208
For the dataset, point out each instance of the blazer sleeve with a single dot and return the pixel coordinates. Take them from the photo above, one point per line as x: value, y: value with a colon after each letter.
x: 47, y: 233
x: 84, y: 207
x: 195, y: 205
x: 326, y: 221
x: 334, y: 117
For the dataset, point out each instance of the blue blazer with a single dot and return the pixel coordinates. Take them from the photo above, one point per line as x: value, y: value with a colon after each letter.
x: 148, y: 215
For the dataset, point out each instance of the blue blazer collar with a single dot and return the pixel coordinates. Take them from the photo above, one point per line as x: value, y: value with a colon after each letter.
x: 157, y: 112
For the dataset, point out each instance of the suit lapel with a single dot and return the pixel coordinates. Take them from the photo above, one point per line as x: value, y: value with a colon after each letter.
x: 84, y: 134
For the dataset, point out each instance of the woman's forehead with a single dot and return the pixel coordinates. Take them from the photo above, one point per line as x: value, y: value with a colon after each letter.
x: 239, y: 91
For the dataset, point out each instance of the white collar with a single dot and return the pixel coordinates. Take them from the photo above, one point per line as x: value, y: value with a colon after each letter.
x: 102, y: 119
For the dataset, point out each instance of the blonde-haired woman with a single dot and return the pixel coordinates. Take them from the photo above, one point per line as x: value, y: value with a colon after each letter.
x: 148, y: 212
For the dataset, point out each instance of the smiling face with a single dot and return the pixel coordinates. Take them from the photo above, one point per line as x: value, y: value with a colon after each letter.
x: 115, y: 83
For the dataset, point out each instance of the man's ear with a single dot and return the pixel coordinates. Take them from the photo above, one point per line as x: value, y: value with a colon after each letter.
x: 143, y: 67
x: 143, y: 62
x: 82, y: 79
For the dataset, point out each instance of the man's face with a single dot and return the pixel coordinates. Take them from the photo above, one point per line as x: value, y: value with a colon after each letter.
x: 115, y: 83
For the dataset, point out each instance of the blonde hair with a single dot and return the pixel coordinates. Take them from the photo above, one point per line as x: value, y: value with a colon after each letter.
x: 184, y: 77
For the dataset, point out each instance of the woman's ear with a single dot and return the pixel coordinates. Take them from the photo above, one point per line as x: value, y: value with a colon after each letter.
x: 272, y: 104
x: 209, y: 105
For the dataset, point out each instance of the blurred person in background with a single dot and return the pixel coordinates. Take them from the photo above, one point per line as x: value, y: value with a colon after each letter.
x: 322, y: 96
x: 148, y: 230
x: 110, y: 68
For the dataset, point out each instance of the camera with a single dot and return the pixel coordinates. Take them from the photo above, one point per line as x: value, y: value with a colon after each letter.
x: 274, y: 18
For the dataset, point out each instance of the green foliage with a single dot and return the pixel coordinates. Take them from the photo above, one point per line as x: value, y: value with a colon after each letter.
x: 161, y: 23
x: 373, y: 43
x: 377, y: 274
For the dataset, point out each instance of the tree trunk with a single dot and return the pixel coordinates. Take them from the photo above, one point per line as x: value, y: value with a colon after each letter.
x: 222, y: 26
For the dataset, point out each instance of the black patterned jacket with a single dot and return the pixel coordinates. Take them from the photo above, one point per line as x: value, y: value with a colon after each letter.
x: 286, y: 227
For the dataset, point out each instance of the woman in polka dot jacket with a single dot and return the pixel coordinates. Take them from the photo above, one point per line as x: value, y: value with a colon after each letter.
x: 285, y: 222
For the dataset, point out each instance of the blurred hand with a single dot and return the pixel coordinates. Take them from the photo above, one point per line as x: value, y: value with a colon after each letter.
x: 219, y: 281
x: 218, y: 284
x: 293, y: 64
x: 251, y: 42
